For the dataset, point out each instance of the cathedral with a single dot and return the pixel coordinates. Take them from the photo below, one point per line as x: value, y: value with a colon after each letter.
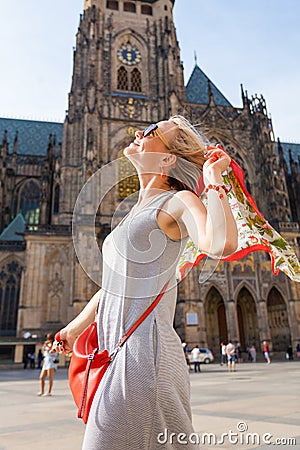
x: 128, y: 74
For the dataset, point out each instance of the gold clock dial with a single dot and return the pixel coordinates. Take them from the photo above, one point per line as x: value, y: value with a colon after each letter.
x: 129, y: 55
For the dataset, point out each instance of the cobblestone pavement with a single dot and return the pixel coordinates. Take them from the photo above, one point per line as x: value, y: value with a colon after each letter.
x: 264, y: 399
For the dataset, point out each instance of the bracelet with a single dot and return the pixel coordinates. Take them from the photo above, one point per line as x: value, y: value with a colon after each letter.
x: 217, y: 187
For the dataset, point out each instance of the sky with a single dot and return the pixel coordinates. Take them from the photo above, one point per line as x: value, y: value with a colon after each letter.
x: 255, y: 43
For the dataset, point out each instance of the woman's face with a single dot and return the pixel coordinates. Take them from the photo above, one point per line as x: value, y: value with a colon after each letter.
x: 148, y: 151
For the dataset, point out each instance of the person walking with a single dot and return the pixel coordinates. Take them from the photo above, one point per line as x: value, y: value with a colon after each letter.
x: 230, y: 352
x: 252, y: 351
x: 169, y: 158
x: 266, y: 352
x: 25, y: 360
x: 223, y: 353
x: 39, y: 359
x: 239, y: 352
x: 49, y: 366
x: 32, y: 360
x: 249, y: 354
x: 289, y: 352
x: 186, y: 354
x: 196, y: 356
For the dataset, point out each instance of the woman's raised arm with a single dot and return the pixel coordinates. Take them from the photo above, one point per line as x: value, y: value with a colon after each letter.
x: 213, y: 228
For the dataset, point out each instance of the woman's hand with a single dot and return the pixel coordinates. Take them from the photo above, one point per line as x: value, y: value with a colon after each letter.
x: 64, y: 341
x: 217, y: 162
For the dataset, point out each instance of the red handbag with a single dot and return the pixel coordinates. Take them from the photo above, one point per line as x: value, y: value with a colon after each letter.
x: 89, y: 364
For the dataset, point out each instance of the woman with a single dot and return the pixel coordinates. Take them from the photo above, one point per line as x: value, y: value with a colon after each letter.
x: 144, y: 395
x: 49, y: 365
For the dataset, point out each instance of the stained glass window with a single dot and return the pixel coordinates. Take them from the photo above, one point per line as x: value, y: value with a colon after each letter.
x: 9, y: 298
x: 30, y: 202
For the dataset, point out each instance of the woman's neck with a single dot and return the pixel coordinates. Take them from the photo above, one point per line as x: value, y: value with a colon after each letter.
x: 153, y: 181
x: 151, y: 185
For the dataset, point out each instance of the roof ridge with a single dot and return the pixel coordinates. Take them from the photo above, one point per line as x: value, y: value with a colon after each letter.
x: 17, y: 225
x: 197, y: 89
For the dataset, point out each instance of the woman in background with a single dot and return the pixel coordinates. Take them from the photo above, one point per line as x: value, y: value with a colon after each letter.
x: 49, y: 365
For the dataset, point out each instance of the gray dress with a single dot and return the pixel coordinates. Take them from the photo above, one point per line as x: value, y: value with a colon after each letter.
x: 145, y: 393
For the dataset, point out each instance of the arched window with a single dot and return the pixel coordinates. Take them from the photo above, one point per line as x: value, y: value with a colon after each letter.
x: 112, y: 4
x: 136, y: 80
x: 10, y: 279
x: 30, y: 202
x: 56, y: 200
x: 146, y: 9
x: 129, y: 82
x: 122, y: 79
x: 129, y: 7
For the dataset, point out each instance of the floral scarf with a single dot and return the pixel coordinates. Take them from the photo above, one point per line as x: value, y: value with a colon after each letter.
x: 254, y: 232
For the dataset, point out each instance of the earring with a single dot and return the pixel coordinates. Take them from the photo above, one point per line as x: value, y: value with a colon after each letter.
x: 163, y: 175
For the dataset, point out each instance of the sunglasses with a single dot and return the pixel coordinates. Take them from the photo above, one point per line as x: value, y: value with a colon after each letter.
x: 154, y: 131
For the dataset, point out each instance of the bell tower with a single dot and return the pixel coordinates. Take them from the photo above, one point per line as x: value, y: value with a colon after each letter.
x: 127, y: 74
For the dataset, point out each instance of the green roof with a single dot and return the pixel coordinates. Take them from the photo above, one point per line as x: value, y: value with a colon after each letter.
x: 295, y: 153
x: 33, y: 135
x: 197, y: 89
x: 17, y: 225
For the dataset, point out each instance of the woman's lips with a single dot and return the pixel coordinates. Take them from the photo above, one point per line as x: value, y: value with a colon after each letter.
x: 134, y: 143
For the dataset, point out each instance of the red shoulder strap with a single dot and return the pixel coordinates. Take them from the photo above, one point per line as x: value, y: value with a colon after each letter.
x: 143, y: 316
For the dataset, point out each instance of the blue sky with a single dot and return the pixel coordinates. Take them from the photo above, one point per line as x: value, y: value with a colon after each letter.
x: 256, y: 43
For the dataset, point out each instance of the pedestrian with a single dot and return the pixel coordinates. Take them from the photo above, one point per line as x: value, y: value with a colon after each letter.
x: 25, y: 360
x: 49, y: 366
x: 196, y: 358
x: 230, y: 352
x: 150, y: 369
x: 39, y: 359
x: 266, y: 351
x: 249, y: 354
x: 186, y: 354
x: 223, y: 353
x: 298, y: 350
x: 239, y: 351
x: 32, y: 360
x: 289, y: 353
x: 252, y: 351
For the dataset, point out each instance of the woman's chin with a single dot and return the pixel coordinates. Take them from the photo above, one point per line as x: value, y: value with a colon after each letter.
x: 130, y: 150
x: 128, y: 153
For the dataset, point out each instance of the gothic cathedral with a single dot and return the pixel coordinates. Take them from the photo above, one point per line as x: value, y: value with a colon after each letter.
x: 128, y: 74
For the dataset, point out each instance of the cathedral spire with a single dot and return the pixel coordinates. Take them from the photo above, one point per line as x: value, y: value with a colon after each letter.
x: 282, y: 161
x: 211, y: 100
x: 16, y: 143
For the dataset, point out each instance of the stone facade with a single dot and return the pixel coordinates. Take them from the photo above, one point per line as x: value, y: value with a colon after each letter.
x: 128, y: 73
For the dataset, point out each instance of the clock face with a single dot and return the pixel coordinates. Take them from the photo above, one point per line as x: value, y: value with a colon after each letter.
x: 129, y: 55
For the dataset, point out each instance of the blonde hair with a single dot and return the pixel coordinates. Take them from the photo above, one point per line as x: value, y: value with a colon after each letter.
x: 188, y: 144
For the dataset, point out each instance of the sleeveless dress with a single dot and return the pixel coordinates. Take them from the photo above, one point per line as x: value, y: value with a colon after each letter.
x: 144, y: 395
x: 48, y: 361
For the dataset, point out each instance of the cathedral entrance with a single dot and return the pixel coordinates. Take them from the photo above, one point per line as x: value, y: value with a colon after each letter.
x: 278, y: 321
x: 215, y: 318
x: 247, y: 319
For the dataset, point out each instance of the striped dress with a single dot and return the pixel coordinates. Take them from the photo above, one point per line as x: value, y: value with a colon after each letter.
x: 145, y: 393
